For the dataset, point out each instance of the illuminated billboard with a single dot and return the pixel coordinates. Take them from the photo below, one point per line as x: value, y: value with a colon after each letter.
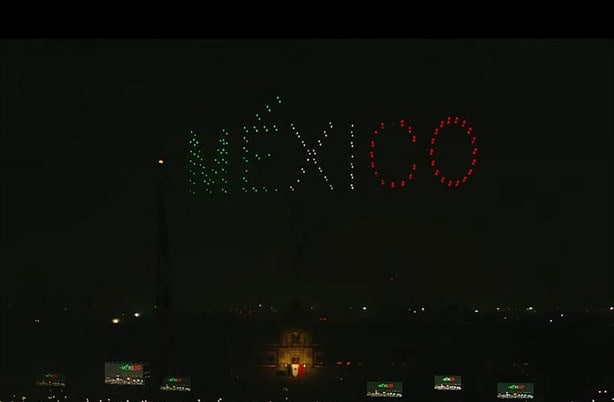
x: 176, y: 384
x: 507, y: 390
x: 51, y: 380
x: 385, y: 389
x: 124, y: 373
x: 448, y: 383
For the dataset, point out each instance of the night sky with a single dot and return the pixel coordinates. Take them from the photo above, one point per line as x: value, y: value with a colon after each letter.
x: 83, y: 123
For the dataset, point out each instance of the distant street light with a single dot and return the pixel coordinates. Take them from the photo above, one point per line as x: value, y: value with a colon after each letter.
x: 115, y: 320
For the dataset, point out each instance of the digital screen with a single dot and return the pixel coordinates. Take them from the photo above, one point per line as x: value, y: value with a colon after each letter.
x: 176, y: 384
x: 507, y: 390
x: 124, y: 373
x: 385, y: 389
x: 51, y: 380
x: 448, y: 383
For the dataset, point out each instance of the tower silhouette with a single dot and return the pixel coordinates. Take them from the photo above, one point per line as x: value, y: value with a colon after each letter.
x: 163, y: 269
x: 164, y: 300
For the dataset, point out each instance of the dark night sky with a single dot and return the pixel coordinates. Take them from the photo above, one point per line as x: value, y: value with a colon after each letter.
x: 83, y: 122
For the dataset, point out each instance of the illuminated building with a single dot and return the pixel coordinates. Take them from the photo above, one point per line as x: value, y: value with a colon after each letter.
x: 295, y: 353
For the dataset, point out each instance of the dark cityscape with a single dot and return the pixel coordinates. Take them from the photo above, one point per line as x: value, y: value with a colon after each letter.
x: 306, y: 220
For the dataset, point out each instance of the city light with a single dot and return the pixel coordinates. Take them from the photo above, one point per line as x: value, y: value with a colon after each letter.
x: 160, y: 161
x: 137, y: 315
x: 115, y: 320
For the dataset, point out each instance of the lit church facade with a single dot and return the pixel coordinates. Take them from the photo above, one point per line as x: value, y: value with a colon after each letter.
x: 295, y: 353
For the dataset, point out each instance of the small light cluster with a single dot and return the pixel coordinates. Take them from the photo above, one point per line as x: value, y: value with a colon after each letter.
x: 392, y: 183
x: 258, y: 128
x: 311, y: 157
x: 211, y: 178
x: 459, y: 122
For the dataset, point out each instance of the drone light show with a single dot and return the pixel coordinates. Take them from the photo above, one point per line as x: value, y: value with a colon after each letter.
x: 211, y: 173
x: 384, y: 389
x: 448, y: 383
x: 515, y: 390
x: 124, y: 373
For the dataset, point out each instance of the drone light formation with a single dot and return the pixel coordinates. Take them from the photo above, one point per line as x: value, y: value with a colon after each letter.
x: 213, y: 176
